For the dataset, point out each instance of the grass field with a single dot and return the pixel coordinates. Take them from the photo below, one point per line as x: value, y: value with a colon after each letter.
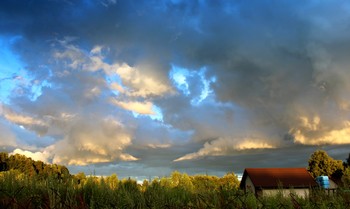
x: 177, y: 191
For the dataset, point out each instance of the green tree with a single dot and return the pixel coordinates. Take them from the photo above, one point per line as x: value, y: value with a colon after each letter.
x: 3, y: 161
x: 346, y: 177
x: 320, y: 163
x: 80, y: 177
x: 178, y: 179
x: 186, y: 182
x: 145, y: 185
x: 204, y: 183
x: 39, y: 167
x: 3, y: 157
x: 64, y: 172
x: 229, y: 181
x: 175, y: 178
x: 164, y: 182
x: 112, y: 181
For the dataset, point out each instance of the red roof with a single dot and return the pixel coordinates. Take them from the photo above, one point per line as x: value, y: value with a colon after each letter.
x: 277, y: 177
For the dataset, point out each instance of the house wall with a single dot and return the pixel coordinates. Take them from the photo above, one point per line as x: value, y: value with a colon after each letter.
x: 286, y: 192
x: 249, y: 186
x: 332, y: 184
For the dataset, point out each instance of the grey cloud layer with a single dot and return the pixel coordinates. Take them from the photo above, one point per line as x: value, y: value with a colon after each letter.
x: 281, y: 72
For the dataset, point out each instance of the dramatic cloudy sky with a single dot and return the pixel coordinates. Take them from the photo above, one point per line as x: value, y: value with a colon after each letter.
x: 141, y: 88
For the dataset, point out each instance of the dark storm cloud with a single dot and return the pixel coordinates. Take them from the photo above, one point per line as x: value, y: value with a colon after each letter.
x: 280, y: 71
x: 36, y: 19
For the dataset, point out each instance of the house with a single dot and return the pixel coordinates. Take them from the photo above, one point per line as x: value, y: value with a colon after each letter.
x: 270, y: 181
x: 330, y: 184
x: 334, y: 183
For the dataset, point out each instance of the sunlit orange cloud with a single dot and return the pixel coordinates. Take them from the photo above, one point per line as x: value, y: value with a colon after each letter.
x: 91, y: 160
x: 90, y: 142
x: 141, y: 84
x: 312, y: 132
x: 22, y: 119
x: 254, y: 145
x: 225, y: 146
x: 42, y: 156
x: 91, y: 156
x: 155, y: 146
x: 138, y: 107
x: 341, y: 136
x: 117, y: 87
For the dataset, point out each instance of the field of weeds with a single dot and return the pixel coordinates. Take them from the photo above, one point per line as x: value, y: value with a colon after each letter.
x: 177, y: 191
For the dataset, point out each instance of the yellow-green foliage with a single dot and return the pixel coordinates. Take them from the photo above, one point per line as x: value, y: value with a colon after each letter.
x: 320, y: 163
x: 30, y: 167
x: 22, y: 189
x: 19, y: 190
x: 346, y: 177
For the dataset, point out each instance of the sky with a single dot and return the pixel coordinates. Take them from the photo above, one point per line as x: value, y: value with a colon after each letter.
x: 143, y: 88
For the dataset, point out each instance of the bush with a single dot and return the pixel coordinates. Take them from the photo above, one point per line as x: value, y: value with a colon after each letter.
x: 18, y: 190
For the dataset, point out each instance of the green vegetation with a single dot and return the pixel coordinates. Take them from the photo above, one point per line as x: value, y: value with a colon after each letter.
x: 39, y: 185
x: 320, y: 163
x: 32, y: 168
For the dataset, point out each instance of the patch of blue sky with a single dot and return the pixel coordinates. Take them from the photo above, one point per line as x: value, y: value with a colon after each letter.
x: 230, y: 8
x: 28, y: 138
x: 13, y: 74
x: 180, y: 77
x: 88, y: 3
x: 158, y: 115
x: 176, y: 1
x: 36, y: 89
x: 135, y: 114
x: 206, y: 90
x: 114, y: 78
x: 195, y: 23
x: 10, y: 65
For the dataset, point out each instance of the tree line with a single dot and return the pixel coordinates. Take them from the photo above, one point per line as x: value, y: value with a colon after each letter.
x: 31, y: 167
x: 25, y: 183
x: 321, y: 164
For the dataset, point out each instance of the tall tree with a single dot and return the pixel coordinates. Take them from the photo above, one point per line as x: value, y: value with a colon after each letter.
x: 181, y: 180
x: 112, y: 181
x: 30, y: 167
x: 320, y: 163
x: 346, y: 177
x: 229, y: 181
x: 3, y: 161
x: 205, y: 182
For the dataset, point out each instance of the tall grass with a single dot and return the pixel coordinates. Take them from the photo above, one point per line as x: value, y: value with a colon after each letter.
x: 21, y: 191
